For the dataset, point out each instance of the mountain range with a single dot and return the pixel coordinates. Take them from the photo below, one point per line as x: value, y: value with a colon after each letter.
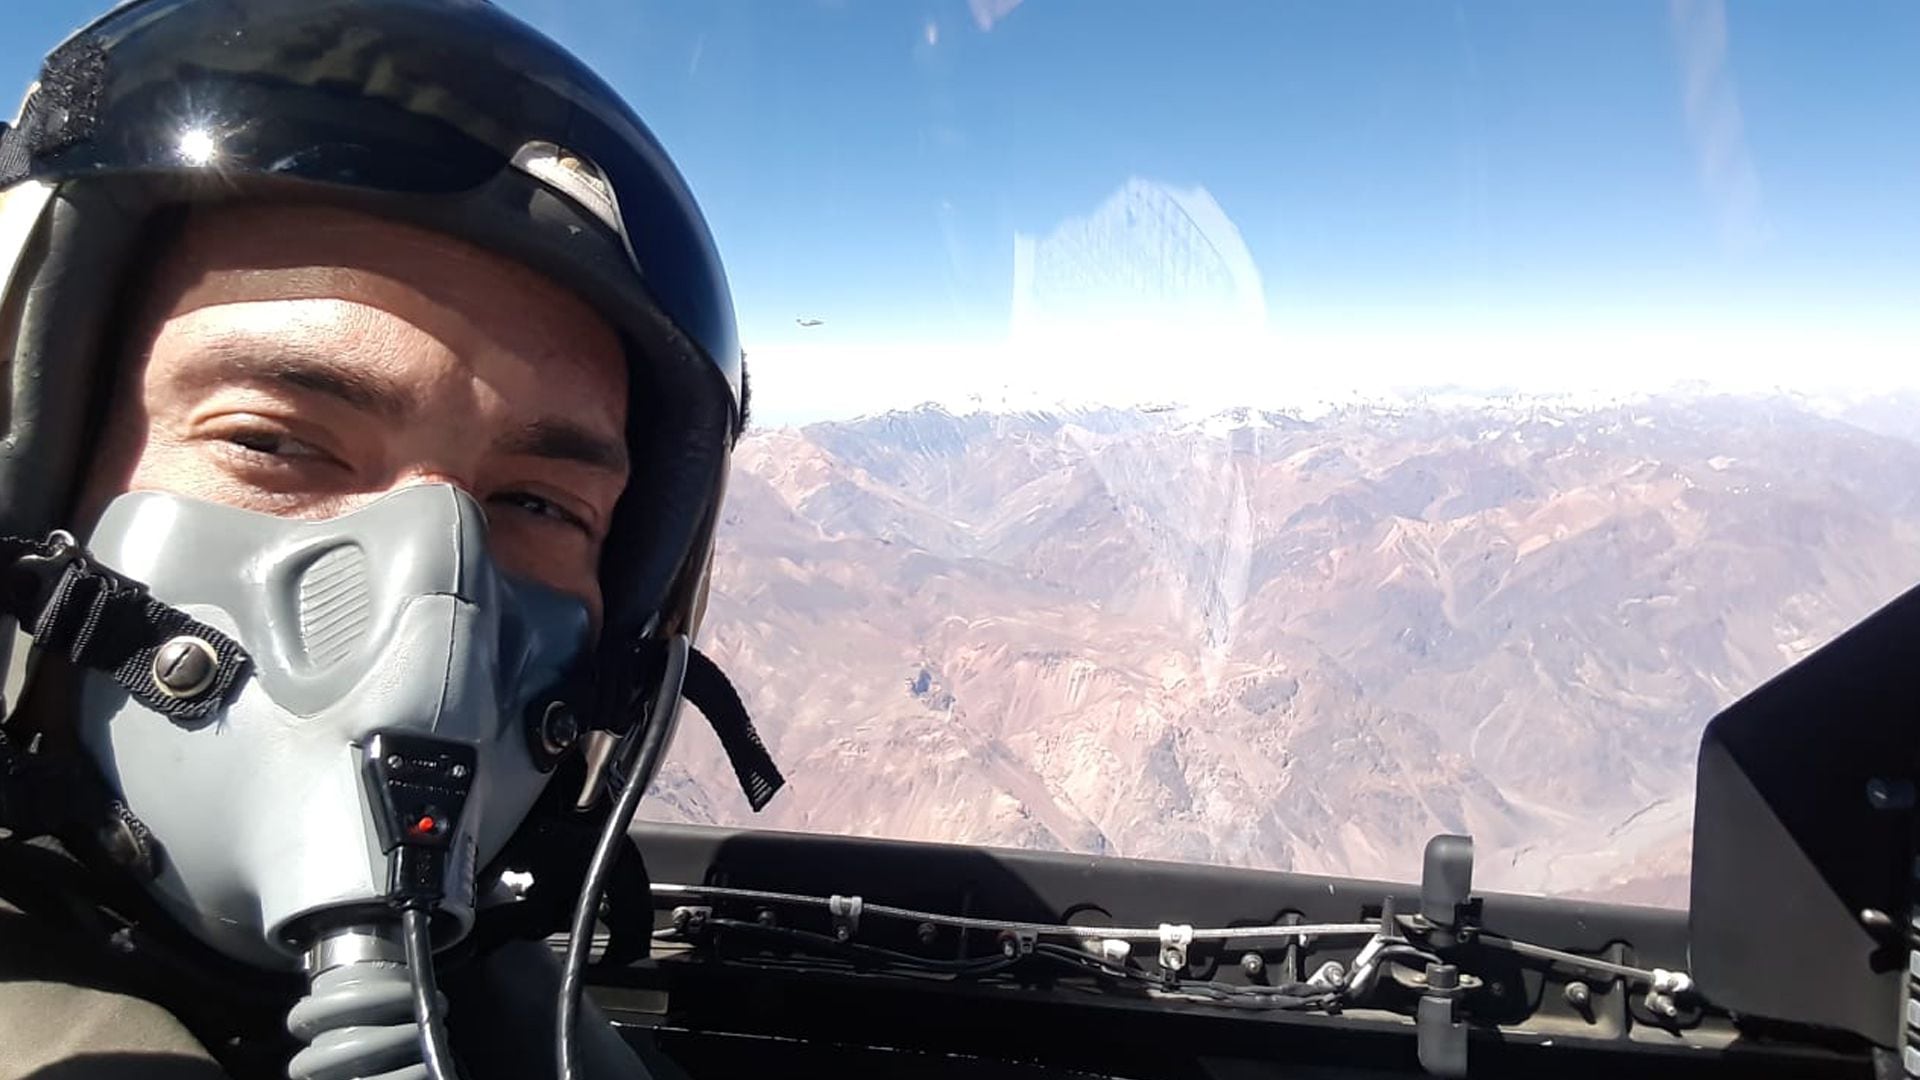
x: 1282, y: 641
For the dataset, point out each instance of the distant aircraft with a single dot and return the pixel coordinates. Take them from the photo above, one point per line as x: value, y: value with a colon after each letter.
x: 809, y: 321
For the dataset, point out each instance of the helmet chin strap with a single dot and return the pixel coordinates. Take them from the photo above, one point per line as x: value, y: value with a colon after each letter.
x: 70, y: 604
x: 610, y: 757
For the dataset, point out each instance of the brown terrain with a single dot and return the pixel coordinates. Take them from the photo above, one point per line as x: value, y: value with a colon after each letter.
x: 1275, y: 642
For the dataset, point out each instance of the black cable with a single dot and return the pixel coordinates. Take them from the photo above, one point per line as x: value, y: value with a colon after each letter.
x: 965, y: 922
x: 985, y: 965
x: 822, y: 943
x: 1407, y: 952
x: 1242, y: 997
x: 1285, y: 996
x: 814, y: 964
x: 1295, y: 995
x: 417, y: 928
x: 1063, y: 954
x: 646, y: 761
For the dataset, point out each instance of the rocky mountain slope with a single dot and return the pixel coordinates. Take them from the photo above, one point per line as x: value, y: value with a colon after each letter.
x: 1265, y: 640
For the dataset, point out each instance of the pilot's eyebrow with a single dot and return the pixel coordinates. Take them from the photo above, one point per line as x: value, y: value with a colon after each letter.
x: 293, y: 365
x: 564, y: 440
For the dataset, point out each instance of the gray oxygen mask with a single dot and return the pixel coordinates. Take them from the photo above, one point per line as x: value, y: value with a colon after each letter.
x: 387, y: 626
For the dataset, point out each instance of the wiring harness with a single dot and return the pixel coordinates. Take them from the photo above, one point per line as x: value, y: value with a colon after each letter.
x: 1420, y: 953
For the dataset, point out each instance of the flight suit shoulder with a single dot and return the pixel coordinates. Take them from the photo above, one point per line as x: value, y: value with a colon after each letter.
x: 60, y: 1019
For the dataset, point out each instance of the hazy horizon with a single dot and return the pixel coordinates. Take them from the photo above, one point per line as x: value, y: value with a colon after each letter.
x: 1310, y: 402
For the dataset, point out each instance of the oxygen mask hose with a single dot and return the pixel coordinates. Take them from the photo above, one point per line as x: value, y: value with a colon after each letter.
x: 357, y: 1018
x: 639, y: 760
x: 374, y: 1008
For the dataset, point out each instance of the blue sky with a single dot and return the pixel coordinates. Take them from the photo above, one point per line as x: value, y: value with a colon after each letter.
x: 1417, y: 187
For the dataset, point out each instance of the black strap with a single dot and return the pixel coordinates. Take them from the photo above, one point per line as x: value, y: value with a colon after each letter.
x: 102, y: 620
x: 707, y: 689
x: 556, y: 841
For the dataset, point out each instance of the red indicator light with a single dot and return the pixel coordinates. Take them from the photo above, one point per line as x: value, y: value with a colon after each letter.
x: 426, y: 826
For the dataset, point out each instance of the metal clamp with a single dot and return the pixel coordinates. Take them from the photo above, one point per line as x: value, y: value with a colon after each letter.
x: 355, y: 945
x: 691, y: 919
x: 34, y: 577
x: 1331, y: 975
x: 1174, y: 940
x: 1017, y: 943
x: 1296, y: 948
x: 846, y: 916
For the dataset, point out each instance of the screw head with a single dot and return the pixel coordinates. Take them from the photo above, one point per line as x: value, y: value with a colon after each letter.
x: 1579, y: 994
x: 927, y: 932
x: 184, y: 667
x: 394, y: 761
x: 1253, y: 964
x: 458, y: 771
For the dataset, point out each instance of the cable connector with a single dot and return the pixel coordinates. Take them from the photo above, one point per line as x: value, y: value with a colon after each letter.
x: 416, y: 878
x: 417, y: 787
x: 1671, y: 982
x: 1111, y: 950
x: 1663, y: 989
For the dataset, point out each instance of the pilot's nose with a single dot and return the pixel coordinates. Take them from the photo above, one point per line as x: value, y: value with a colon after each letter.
x: 420, y: 475
x: 335, y: 505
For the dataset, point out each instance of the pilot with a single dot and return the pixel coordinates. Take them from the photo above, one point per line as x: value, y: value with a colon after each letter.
x: 368, y: 380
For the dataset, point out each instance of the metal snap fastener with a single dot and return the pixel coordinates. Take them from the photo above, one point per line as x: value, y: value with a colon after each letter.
x: 184, y: 667
x: 559, y: 729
